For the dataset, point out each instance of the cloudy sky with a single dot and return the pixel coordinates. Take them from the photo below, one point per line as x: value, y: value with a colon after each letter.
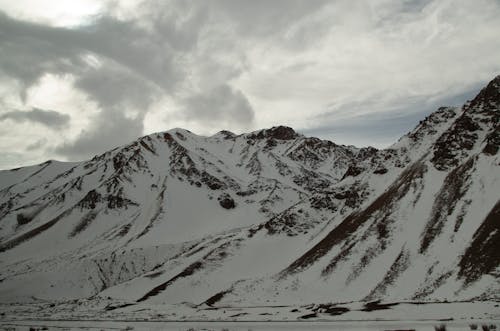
x: 78, y: 77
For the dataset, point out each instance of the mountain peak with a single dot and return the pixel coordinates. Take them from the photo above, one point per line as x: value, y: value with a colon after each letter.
x: 280, y: 132
x: 489, y: 96
x: 256, y: 219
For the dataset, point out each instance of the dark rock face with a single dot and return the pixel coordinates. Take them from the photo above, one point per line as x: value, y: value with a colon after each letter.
x: 489, y: 97
x: 481, y: 112
x: 323, y: 201
x: 168, y: 137
x: 90, y: 200
x: 382, y: 207
x: 282, y: 133
x: 454, y: 187
x: 225, y: 201
x: 289, y: 222
x: 276, y: 132
x: 483, y: 255
x: 85, y: 221
x: 212, y: 182
x: 428, y: 125
x: 119, y: 160
x: 454, y: 142
x: 492, y: 142
x: 351, y: 197
x: 23, y: 219
x: 352, y: 171
x: 117, y: 201
x: 380, y: 171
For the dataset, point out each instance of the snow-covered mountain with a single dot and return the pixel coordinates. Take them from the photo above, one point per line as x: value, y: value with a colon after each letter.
x: 269, y: 217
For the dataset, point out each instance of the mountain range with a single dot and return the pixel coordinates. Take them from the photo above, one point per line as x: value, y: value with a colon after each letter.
x: 266, y: 218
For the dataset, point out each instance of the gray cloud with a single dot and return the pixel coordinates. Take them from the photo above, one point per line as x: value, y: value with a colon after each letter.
x: 40, y: 143
x: 382, y: 127
x: 49, y: 118
x: 114, y: 87
x: 262, y: 17
x: 11, y: 160
x: 221, y: 105
x: 134, y: 66
x: 110, y: 129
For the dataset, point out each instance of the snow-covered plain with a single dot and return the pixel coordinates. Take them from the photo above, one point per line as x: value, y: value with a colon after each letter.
x: 246, y: 326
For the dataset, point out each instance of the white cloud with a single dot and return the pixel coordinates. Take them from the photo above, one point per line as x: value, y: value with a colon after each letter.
x: 53, y: 12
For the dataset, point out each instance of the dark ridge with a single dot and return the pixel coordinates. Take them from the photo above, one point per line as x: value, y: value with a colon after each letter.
x: 290, y: 222
x: 23, y: 219
x: 488, y: 96
x: 377, y: 305
x: 428, y: 124
x: 308, y: 316
x: 452, y: 144
x: 227, y: 134
x: 323, y: 201
x: 90, y: 200
x: 281, y: 133
x: 117, y: 201
x: 453, y: 189
x: 398, y: 266
x: 276, y: 132
x: 146, y: 146
x: 311, y: 150
x: 119, y: 160
x: 110, y: 308
x: 32, y: 233
x: 123, y: 230
x: 45, y: 165
x: 154, y: 274
x: 167, y: 137
x: 160, y: 200
x: 431, y: 285
x: 352, y: 171
x: 352, y: 222
x: 492, y: 141
x: 180, y: 136
x: 216, y: 298
x: 191, y: 269
x: 483, y: 254
x: 330, y: 309
x: 84, y: 223
x: 382, y: 220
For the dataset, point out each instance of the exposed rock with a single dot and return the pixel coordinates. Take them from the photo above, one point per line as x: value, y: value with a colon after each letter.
x: 276, y: 132
x: 483, y: 254
x: 380, y: 171
x: 492, y: 142
x: 454, y: 143
x: 91, y: 199
x: 323, y: 201
x: 225, y: 201
x: 352, y: 171
x: 23, y: 219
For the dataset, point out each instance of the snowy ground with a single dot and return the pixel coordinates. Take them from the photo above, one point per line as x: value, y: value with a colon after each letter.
x: 351, y: 316
x: 245, y: 326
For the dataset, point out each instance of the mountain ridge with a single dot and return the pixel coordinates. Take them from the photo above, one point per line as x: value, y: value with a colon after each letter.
x: 266, y: 217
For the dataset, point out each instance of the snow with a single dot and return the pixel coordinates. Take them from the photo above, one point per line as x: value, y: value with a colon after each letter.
x: 131, y: 223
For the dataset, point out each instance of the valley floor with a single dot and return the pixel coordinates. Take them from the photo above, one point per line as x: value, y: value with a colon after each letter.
x: 254, y: 326
x: 77, y: 315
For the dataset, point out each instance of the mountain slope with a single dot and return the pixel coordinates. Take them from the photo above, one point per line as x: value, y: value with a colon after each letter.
x: 269, y: 217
